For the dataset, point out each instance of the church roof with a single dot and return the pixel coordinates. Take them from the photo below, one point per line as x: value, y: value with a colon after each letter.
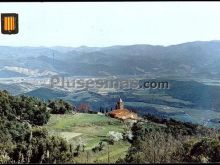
x: 123, y: 114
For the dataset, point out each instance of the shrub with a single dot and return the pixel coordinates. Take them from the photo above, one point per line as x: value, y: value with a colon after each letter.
x: 60, y: 107
x: 115, y: 136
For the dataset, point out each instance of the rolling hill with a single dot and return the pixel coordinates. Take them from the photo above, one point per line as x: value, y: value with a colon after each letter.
x: 192, y: 59
x: 47, y: 93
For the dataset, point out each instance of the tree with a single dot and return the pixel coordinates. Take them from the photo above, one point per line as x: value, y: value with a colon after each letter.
x: 100, y: 109
x: 106, y: 110
x: 60, y: 107
x: 21, y: 140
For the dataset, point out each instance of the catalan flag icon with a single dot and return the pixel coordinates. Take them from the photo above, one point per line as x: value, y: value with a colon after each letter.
x: 9, y: 23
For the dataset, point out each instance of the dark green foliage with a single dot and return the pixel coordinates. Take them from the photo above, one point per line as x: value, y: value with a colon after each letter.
x: 99, y: 147
x: 22, y: 140
x: 60, y: 107
x: 23, y: 108
x: 201, y: 150
x: 180, y: 128
x: 42, y: 149
x: 155, y: 146
x: 166, y: 141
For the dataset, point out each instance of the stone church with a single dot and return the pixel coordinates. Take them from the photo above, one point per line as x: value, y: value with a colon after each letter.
x: 122, y: 113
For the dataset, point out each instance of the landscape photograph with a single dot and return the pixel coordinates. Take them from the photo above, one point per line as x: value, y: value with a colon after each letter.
x: 110, y: 82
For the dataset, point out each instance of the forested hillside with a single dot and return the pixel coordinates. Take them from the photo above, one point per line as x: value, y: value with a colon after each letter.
x: 25, y: 136
x: 22, y: 140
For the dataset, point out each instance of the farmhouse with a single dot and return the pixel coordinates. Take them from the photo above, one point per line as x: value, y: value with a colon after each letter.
x: 122, y: 113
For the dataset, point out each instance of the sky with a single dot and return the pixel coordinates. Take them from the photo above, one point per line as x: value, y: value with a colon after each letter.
x: 112, y: 23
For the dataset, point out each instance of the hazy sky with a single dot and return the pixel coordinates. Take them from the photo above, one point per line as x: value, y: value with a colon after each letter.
x: 112, y: 23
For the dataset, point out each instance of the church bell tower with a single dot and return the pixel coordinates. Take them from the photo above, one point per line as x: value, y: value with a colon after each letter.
x: 119, y: 104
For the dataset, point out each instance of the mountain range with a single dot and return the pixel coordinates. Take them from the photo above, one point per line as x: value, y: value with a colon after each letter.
x: 192, y: 59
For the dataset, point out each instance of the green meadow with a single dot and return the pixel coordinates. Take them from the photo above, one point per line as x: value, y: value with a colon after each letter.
x: 89, y: 129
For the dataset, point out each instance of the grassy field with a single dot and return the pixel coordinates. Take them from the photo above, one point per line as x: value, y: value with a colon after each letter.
x: 89, y: 129
x: 116, y: 151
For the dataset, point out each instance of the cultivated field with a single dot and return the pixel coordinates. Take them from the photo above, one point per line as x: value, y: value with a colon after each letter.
x: 89, y: 129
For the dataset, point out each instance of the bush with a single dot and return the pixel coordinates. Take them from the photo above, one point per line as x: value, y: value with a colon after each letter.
x: 115, y: 136
x: 173, y: 142
x: 60, y: 107
x: 128, y: 135
x: 204, y: 150
x: 99, y: 147
x: 155, y: 147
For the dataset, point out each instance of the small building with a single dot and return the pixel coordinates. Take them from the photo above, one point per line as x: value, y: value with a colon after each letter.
x: 122, y: 113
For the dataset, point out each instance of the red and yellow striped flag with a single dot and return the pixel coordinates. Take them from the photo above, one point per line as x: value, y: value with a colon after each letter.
x: 9, y: 23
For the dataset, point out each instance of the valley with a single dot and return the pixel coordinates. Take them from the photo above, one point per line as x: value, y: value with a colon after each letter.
x: 194, y: 84
x: 161, y: 102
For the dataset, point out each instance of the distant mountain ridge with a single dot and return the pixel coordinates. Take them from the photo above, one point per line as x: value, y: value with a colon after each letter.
x: 192, y: 59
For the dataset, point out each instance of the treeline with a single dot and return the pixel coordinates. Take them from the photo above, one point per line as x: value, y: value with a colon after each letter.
x: 22, y: 140
x: 159, y: 140
x: 180, y: 128
x: 23, y: 108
